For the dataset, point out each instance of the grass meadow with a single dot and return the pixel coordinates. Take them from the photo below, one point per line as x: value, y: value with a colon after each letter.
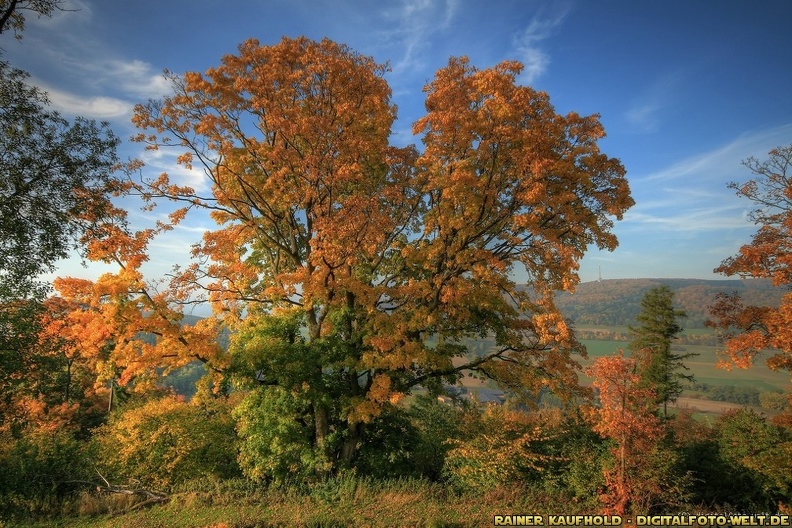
x: 344, y: 502
x: 704, y: 366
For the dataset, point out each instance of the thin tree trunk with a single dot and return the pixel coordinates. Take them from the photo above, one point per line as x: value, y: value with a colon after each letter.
x: 349, y: 449
x: 6, y: 15
x: 67, y: 389
x: 322, y: 427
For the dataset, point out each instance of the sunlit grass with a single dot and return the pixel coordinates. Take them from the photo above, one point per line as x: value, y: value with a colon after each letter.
x: 348, y: 501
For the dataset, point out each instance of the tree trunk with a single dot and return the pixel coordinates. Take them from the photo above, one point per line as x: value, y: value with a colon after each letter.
x: 112, y: 393
x: 321, y: 426
x: 349, y: 449
x: 67, y: 389
x: 6, y: 15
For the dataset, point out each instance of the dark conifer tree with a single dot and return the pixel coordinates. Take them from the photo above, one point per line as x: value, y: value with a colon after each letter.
x: 660, y: 368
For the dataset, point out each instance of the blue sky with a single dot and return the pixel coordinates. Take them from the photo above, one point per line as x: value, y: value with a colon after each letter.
x: 685, y: 90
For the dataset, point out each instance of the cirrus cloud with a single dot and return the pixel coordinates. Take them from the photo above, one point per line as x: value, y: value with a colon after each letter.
x: 527, y: 43
x: 98, y: 107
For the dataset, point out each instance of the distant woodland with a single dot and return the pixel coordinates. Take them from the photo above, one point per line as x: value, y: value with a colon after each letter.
x: 616, y: 302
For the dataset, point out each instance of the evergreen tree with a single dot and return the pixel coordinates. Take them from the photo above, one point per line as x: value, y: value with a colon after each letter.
x: 659, y: 367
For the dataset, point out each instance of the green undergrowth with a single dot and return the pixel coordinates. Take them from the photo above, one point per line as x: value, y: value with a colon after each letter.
x: 346, y: 501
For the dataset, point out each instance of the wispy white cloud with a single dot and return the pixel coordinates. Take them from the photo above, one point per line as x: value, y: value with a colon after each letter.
x: 723, y: 163
x: 164, y: 161
x: 644, y: 115
x: 93, y: 81
x: 412, y: 24
x: 132, y: 77
x: 128, y: 90
x: 527, y: 43
x: 92, y: 107
x: 645, y: 111
x: 685, y: 217
x: 688, y: 220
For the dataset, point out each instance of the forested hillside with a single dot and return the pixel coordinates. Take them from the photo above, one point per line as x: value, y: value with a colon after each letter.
x: 616, y: 302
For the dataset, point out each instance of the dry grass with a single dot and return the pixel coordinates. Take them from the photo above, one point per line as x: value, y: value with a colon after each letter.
x: 345, y: 503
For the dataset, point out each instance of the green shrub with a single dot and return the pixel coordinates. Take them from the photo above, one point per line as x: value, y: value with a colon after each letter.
x: 774, y: 401
x: 498, y: 446
x: 387, y: 446
x: 275, y: 431
x: 39, y: 469
x: 436, y: 425
x: 762, y: 453
x: 166, y: 442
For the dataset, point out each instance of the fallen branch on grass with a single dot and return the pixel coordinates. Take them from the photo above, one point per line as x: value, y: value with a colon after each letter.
x: 152, y: 497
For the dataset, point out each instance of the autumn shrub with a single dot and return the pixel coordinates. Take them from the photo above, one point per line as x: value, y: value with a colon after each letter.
x: 42, y: 458
x: 774, y: 401
x: 38, y: 470
x: 166, y: 442
x: 498, y: 445
x: 576, y: 455
x: 387, y: 446
x: 760, y: 454
x: 718, y: 482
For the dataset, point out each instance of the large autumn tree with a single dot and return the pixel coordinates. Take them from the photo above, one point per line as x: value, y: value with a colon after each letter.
x: 351, y: 271
x: 751, y: 330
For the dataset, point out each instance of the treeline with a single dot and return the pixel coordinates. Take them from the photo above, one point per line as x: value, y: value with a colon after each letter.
x: 603, y: 334
x: 617, y: 302
x: 769, y: 400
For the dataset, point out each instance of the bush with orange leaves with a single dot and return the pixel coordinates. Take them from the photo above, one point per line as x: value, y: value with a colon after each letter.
x: 641, y: 475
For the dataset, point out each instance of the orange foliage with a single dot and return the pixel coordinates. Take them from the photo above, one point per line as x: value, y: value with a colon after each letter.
x: 750, y: 330
x: 378, y: 248
x: 46, y: 386
x: 106, y: 322
x: 626, y: 415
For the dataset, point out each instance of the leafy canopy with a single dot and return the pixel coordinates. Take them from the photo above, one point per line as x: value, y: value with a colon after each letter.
x: 749, y: 330
x: 54, y: 180
x: 349, y: 270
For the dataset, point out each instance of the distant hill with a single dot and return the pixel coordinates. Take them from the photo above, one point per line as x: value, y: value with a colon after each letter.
x: 616, y: 302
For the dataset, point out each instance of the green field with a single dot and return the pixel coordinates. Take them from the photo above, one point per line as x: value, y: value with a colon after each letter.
x: 704, y: 366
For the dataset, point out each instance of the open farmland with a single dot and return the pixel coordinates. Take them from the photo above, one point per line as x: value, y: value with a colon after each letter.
x: 705, y: 367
